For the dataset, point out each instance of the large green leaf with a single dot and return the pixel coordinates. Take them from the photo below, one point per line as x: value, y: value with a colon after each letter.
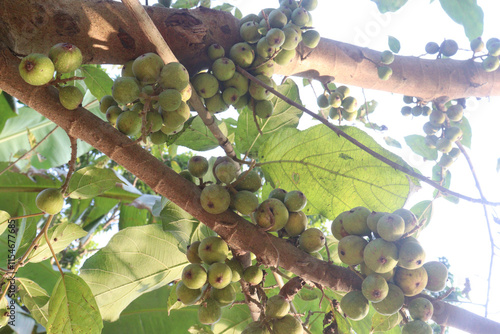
x: 467, y: 13
x: 35, y: 298
x: 198, y: 137
x: 135, y: 261
x: 284, y: 116
x: 54, y: 151
x: 42, y: 273
x: 72, y: 308
x: 149, y: 314
x: 6, y: 111
x: 333, y: 173
x: 60, y: 237
x: 91, y: 181
x: 131, y: 216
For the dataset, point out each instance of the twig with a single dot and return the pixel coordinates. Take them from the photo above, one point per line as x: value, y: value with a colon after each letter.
x: 490, y: 233
x: 53, y: 253
x: 71, y: 163
x: 368, y: 150
x: 31, y: 150
x: 151, y: 32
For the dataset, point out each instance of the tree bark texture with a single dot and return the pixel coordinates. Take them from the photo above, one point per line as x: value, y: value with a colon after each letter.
x: 107, y: 34
x: 238, y: 233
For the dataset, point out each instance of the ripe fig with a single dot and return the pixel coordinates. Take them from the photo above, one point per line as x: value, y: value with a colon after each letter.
x: 36, y: 69
x: 50, y: 201
x: 213, y: 249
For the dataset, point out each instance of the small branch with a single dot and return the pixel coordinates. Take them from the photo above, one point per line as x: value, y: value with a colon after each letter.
x: 151, y: 32
x: 53, y: 253
x: 71, y: 163
x: 362, y: 146
x: 29, y: 152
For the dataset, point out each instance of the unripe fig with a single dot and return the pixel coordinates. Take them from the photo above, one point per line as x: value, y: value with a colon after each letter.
x: 444, y: 145
x: 219, y: 275
x: 411, y: 281
x: 226, y: 171
x: 192, y: 252
x: 380, y: 256
x: 250, y: 181
x: 411, y: 254
x: 264, y: 109
x: 66, y: 57
x: 448, y: 48
x: 295, y: 200
x: 409, y: 217
x: 277, y: 19
x: 354, y: 222
x: 236, y: 269
x: 242, y: 54
x: 437, y: 117
x: 350, y: 249
x: 278, y: 193
x: 106, y: 102
x: 174, y: 75
x: 392, y: 303
x: 50, y: 201
x: 177, y: 117
x: 417, y: 327
x: 355, y: 305
x: 300, y: 17
x: 430, y: 128
x: 350, y: 104
x: 335, y: 99
x: 311, y: 38
x: 194, y: 276
x: 256, y: 328
x: 215, y: 51
x: 36, y: 69
x: 170, y: 99
x: 322, y: 101
x: 205, y: 84
x: 384, y: 72
x: 129, y: 122
x: 224, y: 296
x: 455, y: 113
x: 223, y: 159
x: 271, y: 214
x: 239, y: 82
x: 259, y: 92
x: 287, y: 325
x: 421, y: 309
x: 245, y: 202
x: 147, y: 68
x: 249, y: 31
x: 417, y: 110
x: 70, y: 97
x: 126, y: 90
x: 437, y: 274
x: 209, y: 312
x: 275, y: 37
x: 213, y: 249
x: 253, y: 275
x: 367, y: 271
x: 187, y: 296
x: 387, y: 57
x: 296, y: 224
x: 312, y: 240
x: 112, y: 114
x: 277, y: 307
x: 477, y: 45
x: 230, y: 96
x: 374, y: 288
x: 223, y: 69
x: 344, y: 90
x: 291, y: 39
x: 127, y: 69
x: 216, y: 103
x: 372, y: 220
x: 491, y: 63
x: 309, y: 4
x: 391, y: 227
x: 338, y: 230
x: 432, y: 48
x: 198, y: 166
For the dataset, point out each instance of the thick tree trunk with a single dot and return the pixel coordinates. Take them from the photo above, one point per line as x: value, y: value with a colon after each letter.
x: 239, y: 233
x: 107, y: 34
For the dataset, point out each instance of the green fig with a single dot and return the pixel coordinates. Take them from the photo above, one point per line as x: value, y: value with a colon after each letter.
x: 147, y: 68
x: 380, y: 256
x: 354, y: 305
x: 437, y: 275
x: 287, y: 325
x: 194, y: 276
x: 374, y: 288
x: 354, y: 222
x: 192, y: 253
x: 411, y: 254
x: 253, y: 275
x: 174, y: 75
x: 296, y: 224
x: 245, y: 202
x: 215, y: 51
x: 125, y: 90
x: 351, y: 248
x: 391, y: 227
x: 250, y: 181
x: 212, y: 250
x: 219, y: 275
x: 295, y: 201
x: 421, y: 309
x: 312, y: 240
x: 70, y: 97
x: 417, y: 327
x: 277, y: 307
x: 187, y: 296
x: 50, y: 201
x: 271, y: 214
x: 129, y: 122
x: 66, y: 57
x: 392, y: 303
x: 225, y: 296
x: 209, y: 312
x: 36, y: 69
x: 411, y: 281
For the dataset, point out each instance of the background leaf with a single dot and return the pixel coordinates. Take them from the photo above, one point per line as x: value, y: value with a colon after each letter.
x: 417, y: 145
x: 97, y: 80
x: 135, y: 261
x: 91, y: 181
x: 130, y: 216
x: 72, y: 308
x: 467, y: 13
x: 35, y: 299
x: 284, y: 116
x: 334, y: 174
x: 198, y: 137
x: 394, y: 44
x: 389, y: 5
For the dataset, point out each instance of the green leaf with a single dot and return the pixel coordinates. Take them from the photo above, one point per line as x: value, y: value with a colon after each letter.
x: 383, y: 323
x: 4, y: 221
x: 42, y: 273
x: 198, y: 137
x: 185, y: 3
x: 237, y: 13
x: 130, y: 216
x: 205, y: 3
x: 444, y: 180
x: 284, y: 116
x: 149, y: 314
x: 333, y: 173
x: 60, y: 237
x: 97, y: 80
x: 389, y: 5
x: 91, y: 181
x: 6, y: 111
x: 35, y: 298
x: 423, y: 211
x: 392, y: 142
x: 417, y: 145
x: 467, y: 13
x: 72, y: 308
x: 394, y: 44
x: 56, y: 149
x: 135, y: 261
x: 466, y: 131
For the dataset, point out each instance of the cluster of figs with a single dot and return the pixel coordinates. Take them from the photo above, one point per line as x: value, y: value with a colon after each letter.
x: 381, y: 246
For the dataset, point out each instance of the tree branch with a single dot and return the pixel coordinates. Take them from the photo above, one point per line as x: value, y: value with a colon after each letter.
x: 239, y: 233
x: 106, y: 34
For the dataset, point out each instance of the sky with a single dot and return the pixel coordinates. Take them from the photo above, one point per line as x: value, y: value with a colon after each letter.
x: 457, y: 232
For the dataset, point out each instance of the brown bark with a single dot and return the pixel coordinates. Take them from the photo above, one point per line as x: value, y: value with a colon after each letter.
x: 107, y: 34
x: 240, y: 234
